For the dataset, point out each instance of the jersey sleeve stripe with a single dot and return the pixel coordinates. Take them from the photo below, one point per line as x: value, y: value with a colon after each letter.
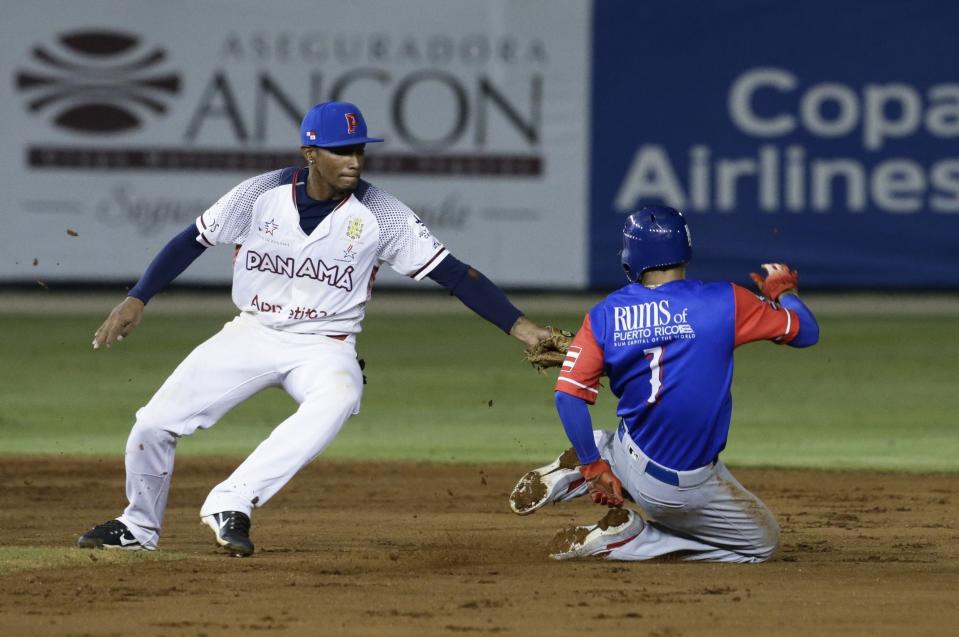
x: 789, y: 323
x: 580, y: 385
x: 201, y: 228
x: 432, y: 263
x: 570, y: 361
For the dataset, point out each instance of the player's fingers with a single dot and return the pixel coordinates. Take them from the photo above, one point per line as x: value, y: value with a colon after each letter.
x: 615, y: 502
x: 617, y: 489
x: 111, y: 333
x: 599, y: 494
x: 99, y: 336
x: 124, y: 329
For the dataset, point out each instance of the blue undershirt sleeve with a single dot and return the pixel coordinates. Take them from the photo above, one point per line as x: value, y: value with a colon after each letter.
x: 168, y: 264
x: 808, y: 327
x: 574, y: 413
x: 476, y: 292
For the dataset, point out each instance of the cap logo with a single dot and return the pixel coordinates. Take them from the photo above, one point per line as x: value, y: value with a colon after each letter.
x: 350, y: 123
x: 311, y: 135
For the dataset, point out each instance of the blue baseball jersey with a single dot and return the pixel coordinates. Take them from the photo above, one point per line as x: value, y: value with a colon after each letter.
x: 668, y: 354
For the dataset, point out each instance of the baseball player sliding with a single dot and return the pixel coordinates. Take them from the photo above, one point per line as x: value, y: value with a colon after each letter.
x: 666, y: 343
x: 308, y: 243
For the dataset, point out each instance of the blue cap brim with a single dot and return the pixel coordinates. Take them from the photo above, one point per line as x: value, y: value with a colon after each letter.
x: 348, y: 142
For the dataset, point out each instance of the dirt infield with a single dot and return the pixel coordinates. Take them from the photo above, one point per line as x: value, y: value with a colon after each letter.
x: 401, y: 549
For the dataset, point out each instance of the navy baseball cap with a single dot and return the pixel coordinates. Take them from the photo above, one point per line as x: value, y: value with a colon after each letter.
x: 333, y: 124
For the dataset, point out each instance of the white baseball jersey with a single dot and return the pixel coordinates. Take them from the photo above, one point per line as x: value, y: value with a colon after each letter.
x: 317, y: 283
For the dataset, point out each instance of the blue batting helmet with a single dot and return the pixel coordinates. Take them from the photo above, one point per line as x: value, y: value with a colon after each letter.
x: 654, y: 237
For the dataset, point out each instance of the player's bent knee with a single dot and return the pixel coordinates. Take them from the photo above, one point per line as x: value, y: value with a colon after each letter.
x: 322, y: 412
x: 769, y: 541
x: 164, y: 418
x: 145, y: 434
x: 766, y: 552
x: 346, y: 399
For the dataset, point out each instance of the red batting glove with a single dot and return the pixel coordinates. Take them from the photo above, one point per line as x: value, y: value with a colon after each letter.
x: 779, y: 280
x: 604, y: 487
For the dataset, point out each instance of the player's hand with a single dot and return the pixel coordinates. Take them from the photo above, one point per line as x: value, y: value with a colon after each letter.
x: 123, y: 319
x: 604, y: 487
x: 551, y: 351
x: 779, y: 280
x: 529, y: 332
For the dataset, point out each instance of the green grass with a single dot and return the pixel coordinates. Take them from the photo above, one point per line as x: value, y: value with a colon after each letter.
x: 15, y: 559
x: 876, y: 393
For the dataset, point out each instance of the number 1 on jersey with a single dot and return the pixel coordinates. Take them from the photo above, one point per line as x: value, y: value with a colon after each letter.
x: 655, y: 356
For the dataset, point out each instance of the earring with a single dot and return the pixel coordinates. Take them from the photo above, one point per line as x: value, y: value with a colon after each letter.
x: 311, y: 161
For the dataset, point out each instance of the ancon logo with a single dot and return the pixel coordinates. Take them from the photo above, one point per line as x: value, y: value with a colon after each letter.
x: 97, y: 81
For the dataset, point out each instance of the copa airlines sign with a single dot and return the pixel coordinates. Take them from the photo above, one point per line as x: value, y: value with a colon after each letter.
x: 777, y: 108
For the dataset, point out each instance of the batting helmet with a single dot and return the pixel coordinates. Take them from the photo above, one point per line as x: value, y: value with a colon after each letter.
x: 654, y: 237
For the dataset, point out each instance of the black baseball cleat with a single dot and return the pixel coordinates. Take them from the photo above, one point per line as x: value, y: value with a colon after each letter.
x: 232, y: 530
x: 111, y: 535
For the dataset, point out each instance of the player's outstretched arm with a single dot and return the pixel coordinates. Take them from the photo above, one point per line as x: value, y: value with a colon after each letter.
x: 781, y: 284
x: 172, y: 260
x: 482, y: 296
x: 808, y: 325
x: 123, y: 319
x: 604, y: 487
x: 528, y: 332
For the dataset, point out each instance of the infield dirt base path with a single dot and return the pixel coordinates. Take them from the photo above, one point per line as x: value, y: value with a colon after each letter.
x: 423, y: 549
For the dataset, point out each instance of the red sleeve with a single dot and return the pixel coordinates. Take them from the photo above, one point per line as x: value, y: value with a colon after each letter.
x: 579, y: 376
x: 758, y: 320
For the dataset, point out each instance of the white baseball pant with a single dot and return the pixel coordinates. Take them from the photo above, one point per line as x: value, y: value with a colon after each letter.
x: 708, y: 516
x: 320, y: 373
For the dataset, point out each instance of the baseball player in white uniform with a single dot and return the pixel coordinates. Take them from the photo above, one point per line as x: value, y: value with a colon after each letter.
x: 308, y: 243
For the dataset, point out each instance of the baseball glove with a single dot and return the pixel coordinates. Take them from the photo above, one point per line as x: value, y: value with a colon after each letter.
x: 551, y: 351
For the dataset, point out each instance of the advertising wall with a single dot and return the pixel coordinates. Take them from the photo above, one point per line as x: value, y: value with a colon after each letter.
x: 522, y: 131
x: 120, y: 129
x: 818, y: 133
